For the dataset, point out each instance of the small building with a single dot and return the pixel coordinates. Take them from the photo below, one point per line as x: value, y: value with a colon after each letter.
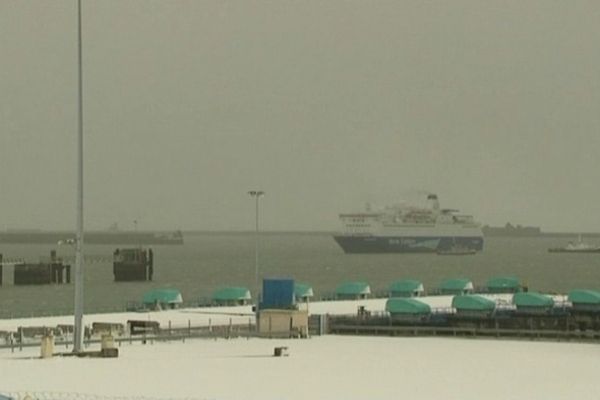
x: 503, y: 284
x: 280, y: 323
x: 162, y: 299
x: 406, y: 288
x: 133, y: 264
x: 473, y: 305
x: 407, y: 309
x: 532, y: 302
x: 303, y: 292
x: 585, y: 300
x: 278, y: 294
x: 232, y: 296
x: 458, y: 286
x: 353, y: 291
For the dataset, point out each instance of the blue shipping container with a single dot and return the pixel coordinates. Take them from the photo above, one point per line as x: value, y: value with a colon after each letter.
x: 278, y: 293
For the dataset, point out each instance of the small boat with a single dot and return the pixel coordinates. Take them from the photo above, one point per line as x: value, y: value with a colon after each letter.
x: 578, y: 247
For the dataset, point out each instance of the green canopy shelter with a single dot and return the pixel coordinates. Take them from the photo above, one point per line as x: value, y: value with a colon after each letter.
x: 162, y: 298
x: 456, y: 286
x: 353, y: 291
x: 232, y: 296
x: 406, y: 306
x: 533, y: 302
x: 406, y: 288
x: 585, y: 300
x: 503, y: 284
x: 303, y: 291
x: 472, y: 303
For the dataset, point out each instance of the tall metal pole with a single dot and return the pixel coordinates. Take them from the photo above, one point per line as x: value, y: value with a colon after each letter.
x: 78, y: 329
x: 256, y: 250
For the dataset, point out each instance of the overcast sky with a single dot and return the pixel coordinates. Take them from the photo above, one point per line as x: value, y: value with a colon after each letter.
x: 325, y: 105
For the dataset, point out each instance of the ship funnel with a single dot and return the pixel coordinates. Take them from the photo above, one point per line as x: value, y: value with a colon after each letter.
x: 433, y: 202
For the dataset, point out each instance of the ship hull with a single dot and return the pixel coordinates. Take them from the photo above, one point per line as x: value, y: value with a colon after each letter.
x: 406, y: 244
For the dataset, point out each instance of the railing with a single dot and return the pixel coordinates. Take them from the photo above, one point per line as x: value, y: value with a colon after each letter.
x: 170, y: 333
x: 579, y: 335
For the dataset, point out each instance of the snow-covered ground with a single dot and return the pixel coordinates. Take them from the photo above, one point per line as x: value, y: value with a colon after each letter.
x: 327, y: 367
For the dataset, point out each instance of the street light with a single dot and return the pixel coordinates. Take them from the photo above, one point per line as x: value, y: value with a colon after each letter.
x: 257, y: 194
x: 78, y: 312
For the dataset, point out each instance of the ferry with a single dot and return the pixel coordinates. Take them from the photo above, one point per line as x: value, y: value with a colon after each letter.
x: 409, y: 229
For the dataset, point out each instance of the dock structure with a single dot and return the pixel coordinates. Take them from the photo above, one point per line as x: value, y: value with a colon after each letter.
x: 535, y: 316
x: 53, y: 271
x: 135, y: 264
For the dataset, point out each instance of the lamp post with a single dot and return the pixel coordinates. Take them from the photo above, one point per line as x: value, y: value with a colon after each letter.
x: 78, y: 312
x: 257, y: 194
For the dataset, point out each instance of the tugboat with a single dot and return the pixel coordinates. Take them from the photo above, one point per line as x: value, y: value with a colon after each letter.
x: 579, y: 247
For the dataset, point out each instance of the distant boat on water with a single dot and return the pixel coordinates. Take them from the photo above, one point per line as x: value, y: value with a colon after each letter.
x: 576, y: 247
x: 92, y: 237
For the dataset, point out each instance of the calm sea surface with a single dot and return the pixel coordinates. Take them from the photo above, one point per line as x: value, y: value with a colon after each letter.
x: 209, y: 261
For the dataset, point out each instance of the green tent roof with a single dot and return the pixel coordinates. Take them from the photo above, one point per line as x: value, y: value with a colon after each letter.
x: 353, y: 288
x: 163, y: 296
x: 406, y: 306
x: 303, y: 290
x: 583, y: 296
x: 532, y: 299
x: 406, y: 286
x: 503, y: 282
x: 473, y: 302
x: 231, y: 294
x: 457, y: 284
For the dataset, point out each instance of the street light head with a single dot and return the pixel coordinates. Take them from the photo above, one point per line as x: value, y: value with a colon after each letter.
x: 256, y: 193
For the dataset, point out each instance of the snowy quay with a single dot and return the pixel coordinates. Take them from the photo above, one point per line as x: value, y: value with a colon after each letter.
x: 327, y: 366
x: 521, y: 316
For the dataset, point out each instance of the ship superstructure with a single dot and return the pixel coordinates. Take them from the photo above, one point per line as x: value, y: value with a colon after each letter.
x: 402, y: 229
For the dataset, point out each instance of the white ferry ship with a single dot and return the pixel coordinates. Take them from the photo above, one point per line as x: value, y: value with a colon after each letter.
x: 407, y: 229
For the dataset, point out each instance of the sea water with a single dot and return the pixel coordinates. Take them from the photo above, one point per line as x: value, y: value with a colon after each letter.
x: 209, y: 261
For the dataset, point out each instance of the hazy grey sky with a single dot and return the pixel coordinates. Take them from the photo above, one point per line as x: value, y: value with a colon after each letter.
x: 495, y: 106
